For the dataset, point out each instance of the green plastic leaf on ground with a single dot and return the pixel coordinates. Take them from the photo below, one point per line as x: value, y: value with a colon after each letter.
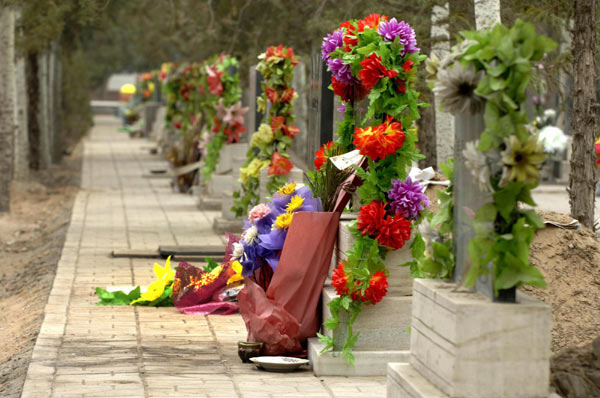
x: 118, y: 297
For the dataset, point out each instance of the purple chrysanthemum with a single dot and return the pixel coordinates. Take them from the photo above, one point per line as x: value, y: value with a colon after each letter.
x: 331, y: 43
x: 340, y: 71
x: 392, y: 29
x: 407, y: 197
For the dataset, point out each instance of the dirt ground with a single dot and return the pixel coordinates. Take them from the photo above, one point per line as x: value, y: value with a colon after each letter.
x: 31, y: 241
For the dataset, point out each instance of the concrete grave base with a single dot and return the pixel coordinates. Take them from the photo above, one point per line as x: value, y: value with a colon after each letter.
x: 222, y: 225
x: 206, y: 202
x: 465, y: 345
x: 366, y: 363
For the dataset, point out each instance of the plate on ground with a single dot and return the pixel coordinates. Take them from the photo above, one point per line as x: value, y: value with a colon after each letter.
x: 279, y: 364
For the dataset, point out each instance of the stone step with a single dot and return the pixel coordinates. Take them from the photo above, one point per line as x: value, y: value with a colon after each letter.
x: 366, y: 363
x: 383, y: 327
x: 404, y: 381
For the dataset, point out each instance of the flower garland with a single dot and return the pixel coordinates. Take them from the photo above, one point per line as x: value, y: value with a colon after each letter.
x: 268, y: 145
x: 223, y: 109
x: 491, y: 70
x: 375, y: 58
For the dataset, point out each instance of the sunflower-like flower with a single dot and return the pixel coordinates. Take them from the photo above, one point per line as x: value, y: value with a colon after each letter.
x: 521, y: 161
x: 455, y: 89
x: 287, y: 189
x: 283, y: 221
x: 476, y: 163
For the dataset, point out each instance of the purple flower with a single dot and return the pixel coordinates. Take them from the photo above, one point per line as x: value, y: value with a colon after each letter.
x: 342, y: 108
x: 392, y: 29
x: 331, y: 43
x: 407, y: 198
x: 340, y: 71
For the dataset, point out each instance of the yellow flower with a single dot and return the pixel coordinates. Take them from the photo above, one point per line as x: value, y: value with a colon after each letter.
x: 252, y: 170
x: 263, y: 136
x: 284, y: 220
x: 521, y: 161
x: 287, y: 189
x: 237, y: 268
x: 296, y: 202
x: 164, y: 276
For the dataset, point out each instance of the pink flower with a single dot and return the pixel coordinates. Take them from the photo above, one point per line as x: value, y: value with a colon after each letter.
x: 258, y: 212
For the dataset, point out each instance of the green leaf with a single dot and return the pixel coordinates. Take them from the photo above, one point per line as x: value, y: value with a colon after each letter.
x: 486, y: 213
x: 534, y: 219
x: 440, y: 251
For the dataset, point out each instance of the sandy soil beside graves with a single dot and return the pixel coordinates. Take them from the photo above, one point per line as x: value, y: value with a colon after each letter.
x: 31, y: 240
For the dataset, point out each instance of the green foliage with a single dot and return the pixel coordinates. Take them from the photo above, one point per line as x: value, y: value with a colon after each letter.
x: 503, y: 232
x: 118, y: 297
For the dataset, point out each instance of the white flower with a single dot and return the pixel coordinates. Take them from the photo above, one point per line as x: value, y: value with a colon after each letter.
x: 554, y: 139
x: 476, y: 163
x: 238, y: 251
x: 429, y: 234
x: 455, y: 89
x: 250, y: 235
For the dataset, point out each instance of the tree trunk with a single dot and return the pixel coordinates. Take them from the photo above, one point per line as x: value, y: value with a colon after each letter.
x: 583, y: 124
x: 7, y: 103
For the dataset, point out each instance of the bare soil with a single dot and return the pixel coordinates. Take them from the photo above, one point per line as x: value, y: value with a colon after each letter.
x: 31, y: 240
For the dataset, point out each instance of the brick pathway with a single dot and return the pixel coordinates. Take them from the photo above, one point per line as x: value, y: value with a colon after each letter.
x: 88, y: 351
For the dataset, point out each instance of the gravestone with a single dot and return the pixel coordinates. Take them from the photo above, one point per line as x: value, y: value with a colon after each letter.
x: 444, y: 121
x: 464, y: 344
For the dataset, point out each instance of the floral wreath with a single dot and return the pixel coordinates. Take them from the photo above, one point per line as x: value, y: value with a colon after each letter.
x: 374, y: 59
x: 269, y: 144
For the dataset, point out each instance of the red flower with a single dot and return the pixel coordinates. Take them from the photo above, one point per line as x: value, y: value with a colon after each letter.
x: 287, y: 95
x: 217, y: 123
x: 372, y: 21
x: 379, y: 141
x: 177, y: 125
x: 400, y: 86
x: 290, y: 130
x: 370, y: 218
x: 339, y: 281
x: 407, y: 65
x: 348, y: 92
x: 146, y: 93
x: 393, y: 232
x: 233, y: 132
x: 277, y: 122
x: 213, y: 79
x: 350, y: 38
x: 320, y: 155
x: 271, y: 95
x: 280, y: 52
x: 373, y: 70
x: 279, y: 165
x: 377, y: 288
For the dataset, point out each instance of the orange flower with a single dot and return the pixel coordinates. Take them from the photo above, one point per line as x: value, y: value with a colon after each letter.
x: 320, y: 155
x: 277, y: 123
x: 280, y: 52
x: 271, y: 95
x: 377, y: 288
x: 287, y: 95
x: 290, y: 130
x: 339, y: 281
x: 372, y: 21
x: 280, y: 165
x: 379, y: 141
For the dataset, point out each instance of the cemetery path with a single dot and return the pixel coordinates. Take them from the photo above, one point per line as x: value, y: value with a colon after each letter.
x: 84, y: 350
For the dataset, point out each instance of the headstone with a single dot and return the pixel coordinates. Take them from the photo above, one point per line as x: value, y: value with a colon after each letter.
x: 321, y: 106
x: 487, y: 13
x: 254, y: 117
x: 300, y: 144
x: 444, y: 121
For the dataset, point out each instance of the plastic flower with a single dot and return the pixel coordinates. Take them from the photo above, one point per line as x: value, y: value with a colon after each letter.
x: 283, y: 221
x: 331, y: 43
x: 250, y: 236
x: 393, y: 232
x: 377, y: 289
x: 164, y: 277
x: 349, y: 92
x: 271, y: 94
x: 521, y: 160
x: 373, y: 70
x: 213, y: 79
x: 235, y: 114
x: 372, y: 21
x: 280, y: 164
x: 379, y: 141
x: 370, y: 217
x: 476, y: 163
x: 252, y: 170
x: 455, y: 89
x: 238, y: 251
x: 287, y: 189
x: 554, y: 139
x: 340, y: 70
x: 406, y: 34
x: 281, y: 201
x: 288, y: 95
x: 237, y: 276
x: 258, y: 212
x: 339, y: 281
x: 597, y: 146
x: 407, y: 198
x: 296, y: 202
x: 320, y: 158
x: 263, y: 136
